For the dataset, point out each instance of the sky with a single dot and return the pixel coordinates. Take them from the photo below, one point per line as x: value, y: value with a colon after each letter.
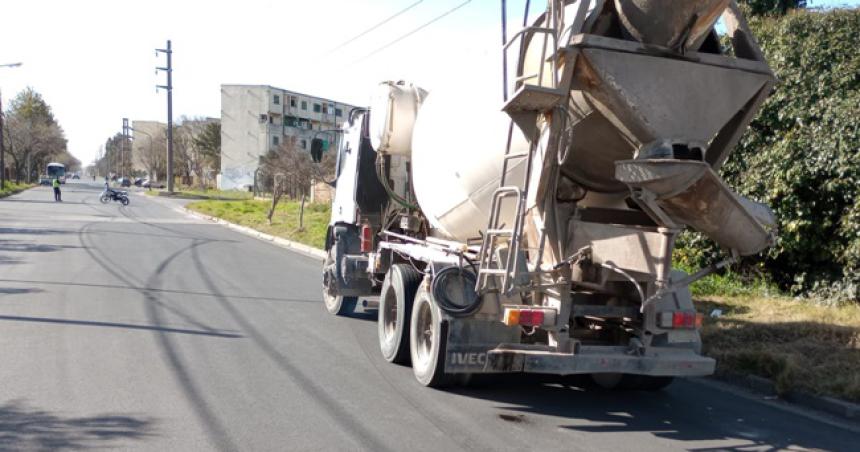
x: 94, y: 60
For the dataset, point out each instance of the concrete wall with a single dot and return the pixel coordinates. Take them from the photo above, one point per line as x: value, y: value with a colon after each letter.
x: 243, y: 133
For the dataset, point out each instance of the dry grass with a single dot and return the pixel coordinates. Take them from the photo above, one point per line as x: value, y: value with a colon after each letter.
x: 285, y: 221
x: 796, y: 343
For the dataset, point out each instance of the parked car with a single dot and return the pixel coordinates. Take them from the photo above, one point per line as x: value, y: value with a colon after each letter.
x: 76, y: 176
x: 150, y: 184
x: 124, y: 182
x: 138, y: 181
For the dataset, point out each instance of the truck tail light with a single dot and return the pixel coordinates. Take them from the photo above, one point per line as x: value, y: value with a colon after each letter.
x: 528, y: 316
x: 680, y: 320
x: 366, y: 238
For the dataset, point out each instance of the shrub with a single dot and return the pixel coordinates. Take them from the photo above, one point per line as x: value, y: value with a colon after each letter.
x: 801, y: 155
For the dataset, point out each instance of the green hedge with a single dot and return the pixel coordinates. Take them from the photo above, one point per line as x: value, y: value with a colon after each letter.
x: 801, y: 156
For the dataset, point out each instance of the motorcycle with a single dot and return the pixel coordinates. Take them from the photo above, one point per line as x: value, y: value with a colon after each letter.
x: 114, y: 195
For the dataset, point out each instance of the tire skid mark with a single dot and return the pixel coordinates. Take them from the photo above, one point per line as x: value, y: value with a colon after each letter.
x: 215, y: 430
x: 110, y: 266
x: 400, y: 393
x: 349, y: 423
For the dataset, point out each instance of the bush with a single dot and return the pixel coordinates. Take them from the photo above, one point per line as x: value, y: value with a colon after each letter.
x: 801, y: 155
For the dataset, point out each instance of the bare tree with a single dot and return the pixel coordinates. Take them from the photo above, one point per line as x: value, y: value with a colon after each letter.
x: 292, y: 171
x: 153, y: 156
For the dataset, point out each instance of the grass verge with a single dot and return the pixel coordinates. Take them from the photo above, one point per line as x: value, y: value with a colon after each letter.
x: 796, y: 344
x: 10, y: 188
x: 285, y: 221
x: 227, y: 195
x: 799, y: 344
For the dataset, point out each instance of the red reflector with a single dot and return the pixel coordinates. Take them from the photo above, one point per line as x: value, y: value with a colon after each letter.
x: 366, y: 238
x: 684, y: 320
x: 531, y: 317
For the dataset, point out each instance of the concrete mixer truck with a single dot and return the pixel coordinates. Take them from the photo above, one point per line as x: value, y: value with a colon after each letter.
x: 532, y: 229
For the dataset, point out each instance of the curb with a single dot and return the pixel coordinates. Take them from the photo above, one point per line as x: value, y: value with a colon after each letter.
x: 296, y: 247
x: 763, y: 386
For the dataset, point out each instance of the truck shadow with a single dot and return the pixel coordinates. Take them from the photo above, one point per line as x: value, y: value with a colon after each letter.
x: 685, y: 412
x: 26, y: 428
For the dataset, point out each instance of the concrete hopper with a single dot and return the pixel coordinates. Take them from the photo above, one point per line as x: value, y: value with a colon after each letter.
x: 649, y: 98
x: 669, y: 23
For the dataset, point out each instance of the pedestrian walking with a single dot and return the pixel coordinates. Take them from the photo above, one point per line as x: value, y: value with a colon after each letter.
x: 58, y: 196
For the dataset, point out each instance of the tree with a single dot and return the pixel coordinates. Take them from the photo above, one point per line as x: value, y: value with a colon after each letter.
x: 195, y: 141
x: 154, y: 154
x: 291, y: 170
x: 771, y: 7
x: 209, y: 144
x: 32, y: 136
x: 801, y: 155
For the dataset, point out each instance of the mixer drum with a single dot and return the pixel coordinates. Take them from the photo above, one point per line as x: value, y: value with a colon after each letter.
x: 457, y: 156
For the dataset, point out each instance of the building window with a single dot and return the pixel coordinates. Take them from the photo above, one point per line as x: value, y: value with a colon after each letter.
x: 304, y: 144
x: 293, y: 101
x: 325, y: 109
x: 274, y: 140
x: 338, y: 112
x: 291, y: 121
x: 277, y: 99
x: 304, y: 105
x: 317, y: 108
x: 271, y: 119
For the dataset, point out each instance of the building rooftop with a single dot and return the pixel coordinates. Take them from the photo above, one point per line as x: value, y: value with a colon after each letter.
x: 286, y: 90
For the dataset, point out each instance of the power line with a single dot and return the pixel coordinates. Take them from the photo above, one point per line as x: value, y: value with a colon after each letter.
x: 350, y: 40
x: 436, y: 19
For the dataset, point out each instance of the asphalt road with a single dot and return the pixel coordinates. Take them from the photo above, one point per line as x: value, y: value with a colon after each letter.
x: 142, y: 328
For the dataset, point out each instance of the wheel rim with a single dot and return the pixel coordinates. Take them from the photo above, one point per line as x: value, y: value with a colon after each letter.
x: 424, y: 334
x: 329, y: 298
x: 389, y: 315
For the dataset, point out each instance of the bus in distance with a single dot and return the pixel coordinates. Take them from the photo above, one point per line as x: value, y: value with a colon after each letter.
x: 57, y: 170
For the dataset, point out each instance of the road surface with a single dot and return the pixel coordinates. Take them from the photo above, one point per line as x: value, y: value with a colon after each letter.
x: 143, y: 328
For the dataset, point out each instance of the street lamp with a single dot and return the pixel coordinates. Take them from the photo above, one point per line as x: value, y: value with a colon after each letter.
x: 2, y: 151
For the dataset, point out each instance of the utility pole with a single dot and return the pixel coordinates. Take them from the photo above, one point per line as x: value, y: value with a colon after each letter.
x: 124, y: 142
x: 169, y: 87
x: 107, y: 154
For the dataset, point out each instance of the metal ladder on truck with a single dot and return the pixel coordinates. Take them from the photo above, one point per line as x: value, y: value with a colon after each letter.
x: 527, y: 104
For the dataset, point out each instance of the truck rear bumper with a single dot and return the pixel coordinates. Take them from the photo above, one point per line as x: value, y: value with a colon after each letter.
x: 663, y: 361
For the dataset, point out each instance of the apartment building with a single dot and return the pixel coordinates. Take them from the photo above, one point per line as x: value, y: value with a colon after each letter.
x: 258, y: 118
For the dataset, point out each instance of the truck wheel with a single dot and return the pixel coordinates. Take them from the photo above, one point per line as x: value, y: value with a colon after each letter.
x: 395, y: 312
x: 340, y: 305
x: 334, y: 303
x: 427, y: 342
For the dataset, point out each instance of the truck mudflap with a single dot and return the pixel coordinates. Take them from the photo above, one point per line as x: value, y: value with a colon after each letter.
x: 658, y: 361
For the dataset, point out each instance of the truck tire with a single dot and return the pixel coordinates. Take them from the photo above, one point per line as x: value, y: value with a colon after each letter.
x: 395, y: 312
x: 340, y: 305
x: 427, y: 342
x: 334, y: 303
